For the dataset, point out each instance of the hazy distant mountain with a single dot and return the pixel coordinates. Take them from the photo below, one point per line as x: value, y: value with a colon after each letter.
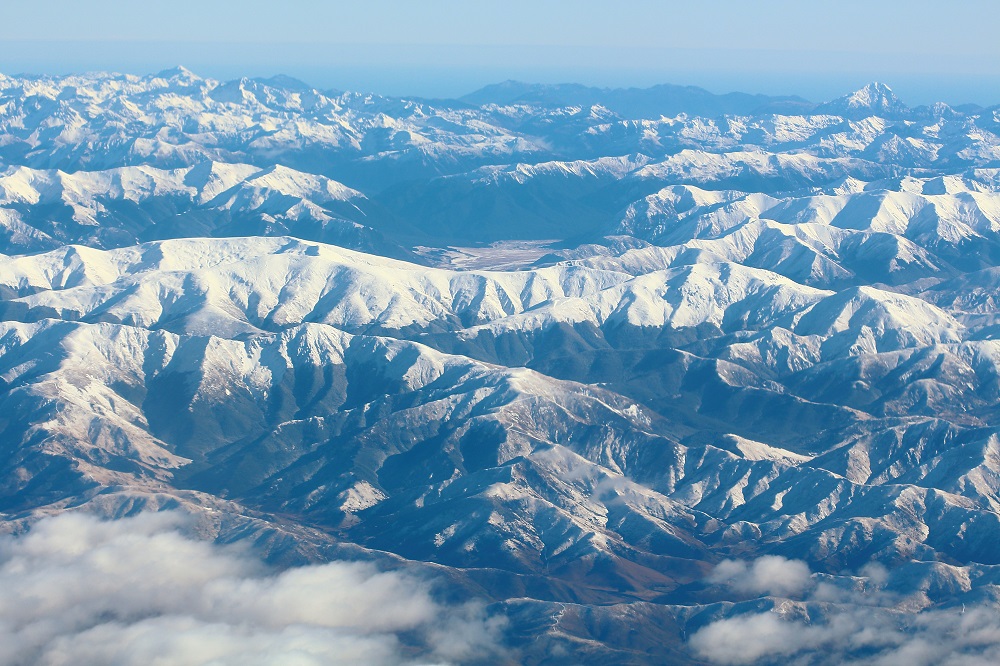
x: 632, y: 103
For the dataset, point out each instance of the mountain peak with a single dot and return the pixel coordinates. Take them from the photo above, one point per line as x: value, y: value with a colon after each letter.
x: 178, y: 72
x: 874, y: 95
x: 875, y: 98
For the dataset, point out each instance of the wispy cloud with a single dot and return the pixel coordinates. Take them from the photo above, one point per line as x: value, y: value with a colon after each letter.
x: 841, y: 626
x: 77, y: 590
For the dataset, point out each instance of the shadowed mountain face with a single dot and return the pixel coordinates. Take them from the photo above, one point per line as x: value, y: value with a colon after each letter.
x: 636, y: 370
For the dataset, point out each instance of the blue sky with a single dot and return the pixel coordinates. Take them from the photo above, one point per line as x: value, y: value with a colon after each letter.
x: 926, y: 50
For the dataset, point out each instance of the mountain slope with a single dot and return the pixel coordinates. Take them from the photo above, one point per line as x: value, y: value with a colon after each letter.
x: 613, y: 375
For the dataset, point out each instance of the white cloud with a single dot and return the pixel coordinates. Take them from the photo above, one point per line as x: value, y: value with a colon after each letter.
x: 770, y: 574
x: 747, y: 639
x: 77, y: 590
x: 857, y: 628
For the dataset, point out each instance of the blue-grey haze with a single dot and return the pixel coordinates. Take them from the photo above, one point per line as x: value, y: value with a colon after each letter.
x: 926, y: 50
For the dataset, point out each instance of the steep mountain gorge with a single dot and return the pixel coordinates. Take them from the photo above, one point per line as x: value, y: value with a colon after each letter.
x: 582, y: 354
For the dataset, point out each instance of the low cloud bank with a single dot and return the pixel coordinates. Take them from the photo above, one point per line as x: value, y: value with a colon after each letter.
x: 78, y: 590
x: 848, y: 627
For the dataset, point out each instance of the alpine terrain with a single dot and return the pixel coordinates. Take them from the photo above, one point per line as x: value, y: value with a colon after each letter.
x: 578, y: 375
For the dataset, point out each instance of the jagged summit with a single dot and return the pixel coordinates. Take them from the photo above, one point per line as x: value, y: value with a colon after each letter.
x: 873, y: 99
x: 875, y: 96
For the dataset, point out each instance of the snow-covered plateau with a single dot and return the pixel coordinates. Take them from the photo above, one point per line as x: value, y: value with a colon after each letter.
x: 579, y: 375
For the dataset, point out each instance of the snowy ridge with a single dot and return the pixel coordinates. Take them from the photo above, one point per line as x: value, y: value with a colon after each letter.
x: 625, y: 374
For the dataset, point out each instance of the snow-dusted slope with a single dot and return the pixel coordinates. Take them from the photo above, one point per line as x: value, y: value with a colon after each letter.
x: 892, y: 232
x: 715, y: 339
x: 43, y: 209
x: 383, y: 145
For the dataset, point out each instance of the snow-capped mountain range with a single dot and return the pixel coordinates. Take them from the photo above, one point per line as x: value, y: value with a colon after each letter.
x: 568, y: 348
